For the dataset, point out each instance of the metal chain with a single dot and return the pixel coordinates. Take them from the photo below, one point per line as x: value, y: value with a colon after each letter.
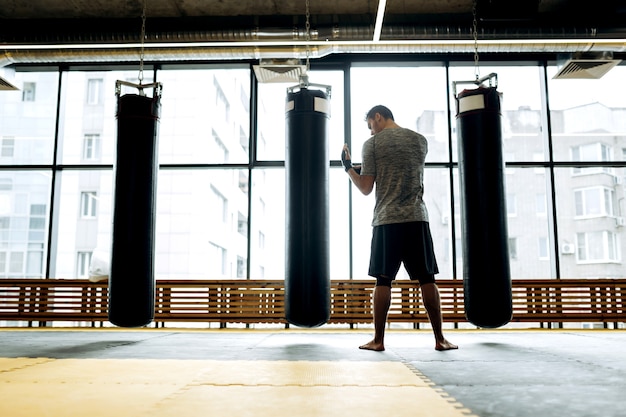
x: 308, y: 36
x: 475, y: 33
x: 143, y: 37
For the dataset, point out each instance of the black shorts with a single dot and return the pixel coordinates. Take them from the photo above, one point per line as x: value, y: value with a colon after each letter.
x: 409, y: 243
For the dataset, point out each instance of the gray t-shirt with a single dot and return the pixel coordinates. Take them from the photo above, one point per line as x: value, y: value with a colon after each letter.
x: 396, y: 156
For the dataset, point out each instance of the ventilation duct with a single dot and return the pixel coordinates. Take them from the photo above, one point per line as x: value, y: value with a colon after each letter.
x: 6, y: 86
x: 277, y: 45
x: 279, y: 71
x: 586, y: 66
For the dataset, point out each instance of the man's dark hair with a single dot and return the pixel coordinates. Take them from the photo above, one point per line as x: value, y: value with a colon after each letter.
x: 384, y: 111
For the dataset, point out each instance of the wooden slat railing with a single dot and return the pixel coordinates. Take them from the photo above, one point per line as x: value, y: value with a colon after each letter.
x: 262, y: 301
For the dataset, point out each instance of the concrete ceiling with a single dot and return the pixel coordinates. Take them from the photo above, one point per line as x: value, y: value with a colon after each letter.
x: 110, y: 30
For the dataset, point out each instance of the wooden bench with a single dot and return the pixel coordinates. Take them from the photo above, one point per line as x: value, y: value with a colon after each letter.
x: 543, y: 301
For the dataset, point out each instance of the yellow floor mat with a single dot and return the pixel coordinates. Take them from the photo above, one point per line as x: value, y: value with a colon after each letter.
x: 184, y: 388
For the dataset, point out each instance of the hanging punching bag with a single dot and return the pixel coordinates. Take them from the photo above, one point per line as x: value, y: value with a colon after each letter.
x: 131, y: 278
x: 486, y: 272
x: 307, y: 265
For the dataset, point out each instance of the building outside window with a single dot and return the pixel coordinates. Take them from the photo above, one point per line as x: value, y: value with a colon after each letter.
x: 511, y: 205
x: 8, y: 147
x: 217, y: 261
x: 94, y: 91
x: 218, y: 205
x: 82, y: 264
x: 3, y: 264
x: 513, y: 248
x: 594, y: 202
x: 16, y: 263
x: 597, y: 152
x: 222, y: 105
x: 241, y: 267
x: 219, y: 149
x: 600, y: 246
x: 88, y: 204
x: 28, y: 91
x: 91, y: 147
x: 540, y: 204
x: 37, y: 223
x: 544, y: 252
x: 242, y: 224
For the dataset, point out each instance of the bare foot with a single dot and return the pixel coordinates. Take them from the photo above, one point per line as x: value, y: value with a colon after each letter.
x: 378, y: 347
x: 445, y: 345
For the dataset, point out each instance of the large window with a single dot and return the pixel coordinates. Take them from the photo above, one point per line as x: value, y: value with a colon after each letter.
x: 221, y: 183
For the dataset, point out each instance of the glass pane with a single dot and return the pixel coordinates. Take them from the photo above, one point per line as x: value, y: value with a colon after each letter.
x: 88, y: 121
x: 269, y: 225
x: 267, y: 249
x: 24, y: 219
x: 201, y: 230
x: 362, y: 214
x: 591, y: 237
x: 415, y: 95
x: 82, y: 232
x: 437, y: 199
x: 339, y: 224
x: 205, y: 115
x: 522, y: 128
x: 28, y: 118
x: 271, y: 118
x: 588, y: 118
x: 528, y: 223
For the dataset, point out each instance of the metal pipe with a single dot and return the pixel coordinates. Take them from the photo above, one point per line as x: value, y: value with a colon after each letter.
x: 277, y: 43
x: 328, y: 32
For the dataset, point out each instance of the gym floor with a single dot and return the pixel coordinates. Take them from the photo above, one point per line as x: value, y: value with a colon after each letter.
x: 115, y: 372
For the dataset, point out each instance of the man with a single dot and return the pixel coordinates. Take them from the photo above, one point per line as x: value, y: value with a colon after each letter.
x: 394, y: 159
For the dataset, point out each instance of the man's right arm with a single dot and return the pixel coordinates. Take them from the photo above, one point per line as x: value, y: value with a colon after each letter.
x: 365, y: 183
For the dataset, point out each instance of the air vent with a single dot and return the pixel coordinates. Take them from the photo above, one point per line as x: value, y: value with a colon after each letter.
x: 586, y: 67
x: 5, y: 85
x: 276, y: 71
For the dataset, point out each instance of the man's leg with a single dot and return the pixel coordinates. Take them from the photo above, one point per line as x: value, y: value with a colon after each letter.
x: 382, y: 301
x: 432, y: 302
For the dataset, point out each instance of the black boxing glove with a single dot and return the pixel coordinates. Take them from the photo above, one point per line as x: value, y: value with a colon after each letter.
x: 347, y: 163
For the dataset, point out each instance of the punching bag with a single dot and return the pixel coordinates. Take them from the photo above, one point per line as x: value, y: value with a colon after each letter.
x: 486, y: 271
x: 307, y: 264
x: 131, y: 278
